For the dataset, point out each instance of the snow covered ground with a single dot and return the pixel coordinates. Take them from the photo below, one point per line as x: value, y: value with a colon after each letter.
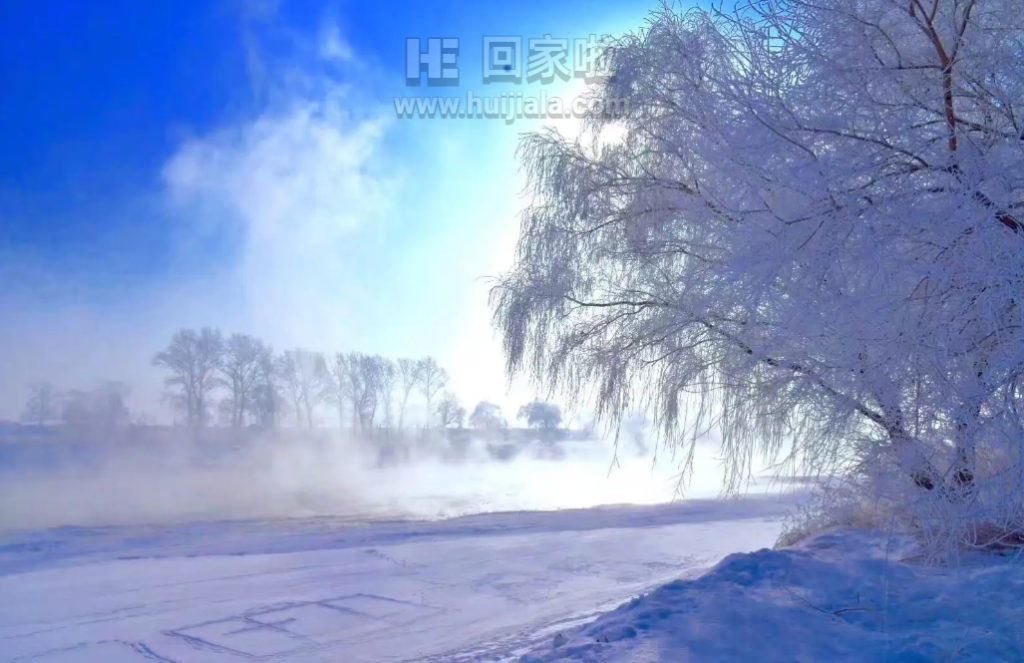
x: 307, y: 555
x: 466, y: 564
x: 485, y: 587
x: 842, y: 596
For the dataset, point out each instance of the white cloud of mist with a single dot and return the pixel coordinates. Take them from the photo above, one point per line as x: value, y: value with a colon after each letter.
x: 299, y: 188
x: 303, y: 477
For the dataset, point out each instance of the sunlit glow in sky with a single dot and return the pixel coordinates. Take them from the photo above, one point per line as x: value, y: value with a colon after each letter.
x: 240, y: 164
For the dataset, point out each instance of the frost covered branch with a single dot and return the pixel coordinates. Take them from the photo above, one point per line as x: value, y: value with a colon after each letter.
x: 790, y: 240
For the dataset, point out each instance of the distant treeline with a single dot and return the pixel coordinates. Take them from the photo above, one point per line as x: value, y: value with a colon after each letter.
x: 238, y: 381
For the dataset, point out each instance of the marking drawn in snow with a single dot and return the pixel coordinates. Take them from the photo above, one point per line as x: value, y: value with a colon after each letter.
x: 511, y: 647
x: 111, y: 651
x: 393, y: 611
x: 377, y: 554
x: 293, y: 627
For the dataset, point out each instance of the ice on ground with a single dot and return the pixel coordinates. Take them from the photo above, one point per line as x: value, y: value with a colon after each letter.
x: 842, y: 596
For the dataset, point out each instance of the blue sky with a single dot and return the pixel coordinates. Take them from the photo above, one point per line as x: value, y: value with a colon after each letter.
x: 239, y: 163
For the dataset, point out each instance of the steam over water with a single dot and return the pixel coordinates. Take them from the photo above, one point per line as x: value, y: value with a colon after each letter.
x: 334, y: 478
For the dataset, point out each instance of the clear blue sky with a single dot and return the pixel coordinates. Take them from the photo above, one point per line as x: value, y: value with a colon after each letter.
x: 239, y: 163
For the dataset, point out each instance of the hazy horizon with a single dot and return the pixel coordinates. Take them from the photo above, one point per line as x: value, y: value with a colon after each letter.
x: 321, y: 475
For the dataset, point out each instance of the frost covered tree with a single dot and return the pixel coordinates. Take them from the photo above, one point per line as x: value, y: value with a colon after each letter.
x: 804, y: 230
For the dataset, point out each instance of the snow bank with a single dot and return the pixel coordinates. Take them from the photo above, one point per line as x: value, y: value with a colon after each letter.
x: 840, y: 596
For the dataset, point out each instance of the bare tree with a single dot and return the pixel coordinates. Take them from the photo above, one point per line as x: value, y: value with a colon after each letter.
x: 193, y: 359
x: 350, y: 370
x: 303, y: 373
x: 43, y: 406
x: 243, y: 361
x: 386, y: 375
x: 338, y: 386
x: 449, y: 411
x: 376, y: 376
x: 432, y: 379
x: 408, y: 378
x: 268, y: 405
x: 369, y: 385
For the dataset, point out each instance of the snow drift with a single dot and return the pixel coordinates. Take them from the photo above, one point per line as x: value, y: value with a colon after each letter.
x: 846, y: 595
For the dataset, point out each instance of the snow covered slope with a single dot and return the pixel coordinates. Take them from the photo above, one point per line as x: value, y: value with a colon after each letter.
x: 485, y: 587
x: 839, y: 597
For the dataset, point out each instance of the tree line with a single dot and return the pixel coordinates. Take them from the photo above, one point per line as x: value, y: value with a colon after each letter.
x: 239, y: 381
